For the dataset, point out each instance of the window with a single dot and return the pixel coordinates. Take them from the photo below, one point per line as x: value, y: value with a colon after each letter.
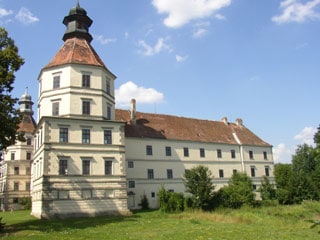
x: 16, y: 170
x: 149, y: 150
x: 254, y: 187
x: 86, y: 107
x: 202, y: 152
x: 150, y: 174
x: 56, y: 81
x: 130, y: 164
x: 221, y: 174
x: 85, y: 135
x: 27, y: 186
x: 251, y: 154
x: 29, y: 141
x: 131, y: 184
x: 168, y: 151
x: 219, y: 153
x: 266, y: 170
x: 234, y: 171
x: 253, y: 171
x: 108, y: 167
x: 108, y: 112
x: 186, y: 152
x: 55, y: 108
x: 28, y: 156
x: 86, y: 80
x: 12, y: 156
x: 153, y: 194
x: 63, y: 167
x: 169, y: 173
x: 16, y: 186
x: 86, y: 167
x: 107, y: 137
x: 233, y: 154
x: 63, y: 134
x: 108, y: 86
x: 265, y: 156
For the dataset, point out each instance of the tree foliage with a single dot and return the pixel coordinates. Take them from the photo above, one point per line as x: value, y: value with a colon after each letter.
x: 10, y: 62
x: 170, y: 201
x: 300, y: 180
x: 238, y: 192
x: 198, y: 182
x: 267, y: 189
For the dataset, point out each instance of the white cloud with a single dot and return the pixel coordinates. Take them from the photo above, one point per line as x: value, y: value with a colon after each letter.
x: 102, y: 40
x: 295, y: 11
x: 5, y: 12
x: 149, y: 50
x: 220, y: 17
x: 306, y: 135
x: 25, y: 16
x: 130, y: 90
x: 180, y: 58
x: 199, y: 33
x: 282, y: 154
x: 181, y: 12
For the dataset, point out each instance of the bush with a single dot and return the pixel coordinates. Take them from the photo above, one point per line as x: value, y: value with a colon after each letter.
x: 1, y: 225
x: 144, y: 204
x: 25, y: 202
x: 170, y: 201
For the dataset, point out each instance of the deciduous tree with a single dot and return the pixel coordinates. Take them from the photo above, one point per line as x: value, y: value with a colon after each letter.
x: 10, y: 62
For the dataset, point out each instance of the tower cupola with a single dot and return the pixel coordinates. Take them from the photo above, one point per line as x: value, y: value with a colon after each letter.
x: 77, y: 23
x: 25, y: 103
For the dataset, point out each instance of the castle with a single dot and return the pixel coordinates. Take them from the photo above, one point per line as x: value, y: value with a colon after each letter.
x: 91, y: 159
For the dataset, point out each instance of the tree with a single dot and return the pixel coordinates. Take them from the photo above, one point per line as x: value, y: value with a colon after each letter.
x: 10, y: 62
x: 267, y: 190
x: 238, y: 192
x: 198, y: 182
x: 284, y: 181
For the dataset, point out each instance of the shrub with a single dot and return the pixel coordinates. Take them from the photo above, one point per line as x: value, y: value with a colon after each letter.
x: 170, y: 201
x: 144, y: 204
x: 1, y: 225
x: 25, y: 202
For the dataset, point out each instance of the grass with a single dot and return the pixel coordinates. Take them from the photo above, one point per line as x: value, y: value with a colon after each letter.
x: 278, y: 222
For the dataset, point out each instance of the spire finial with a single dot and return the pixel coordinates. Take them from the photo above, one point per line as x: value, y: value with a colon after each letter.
x: 78, y: 4
x: 26, y: 91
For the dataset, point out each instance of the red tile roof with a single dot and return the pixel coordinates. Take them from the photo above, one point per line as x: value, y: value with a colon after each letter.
x: 27, y: 124
x: 181, y: 128
x: 76, y: 50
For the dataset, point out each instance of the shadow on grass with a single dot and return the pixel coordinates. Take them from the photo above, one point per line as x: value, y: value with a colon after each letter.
x: 65, y: 224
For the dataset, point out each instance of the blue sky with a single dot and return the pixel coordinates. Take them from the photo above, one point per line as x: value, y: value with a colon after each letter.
x: 255, y: 60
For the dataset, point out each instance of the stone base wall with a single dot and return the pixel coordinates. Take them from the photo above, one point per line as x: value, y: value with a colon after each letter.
x: 79, y: 196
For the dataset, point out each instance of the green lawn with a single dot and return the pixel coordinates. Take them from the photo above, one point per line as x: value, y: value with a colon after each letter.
x: 281, y: 222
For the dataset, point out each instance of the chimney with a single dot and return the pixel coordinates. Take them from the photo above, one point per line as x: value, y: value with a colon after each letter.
x: 239, y: 122
x: 224, y: 120
x: 133, y: 111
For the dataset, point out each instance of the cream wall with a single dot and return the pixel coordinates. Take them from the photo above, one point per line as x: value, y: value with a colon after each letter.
x: 178, y: 163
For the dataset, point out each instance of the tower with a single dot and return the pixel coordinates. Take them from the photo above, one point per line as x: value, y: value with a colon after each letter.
x: 15, y: 168
x: 78, y: 167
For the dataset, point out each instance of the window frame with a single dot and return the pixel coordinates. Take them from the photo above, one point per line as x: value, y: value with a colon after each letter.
x: 168, y: 151
x: 107, y: 135
x: 202, y: 153
x: 86, y: 167
x: 149, y: 150
x: 169, y: 173
x: 233, y: 153
x: 221, y: 173
x: 63, y: 134
x: 108, y: 167
x: 252, y: 171
x: 186, y: 152
x: 86, y: 79
x: 219, y: 153
x: 86, y: 135
x: 150, y: 173
x: 56, y: 82
x: 63, y: 167
x: 55, y: 108
x: 86, y: 107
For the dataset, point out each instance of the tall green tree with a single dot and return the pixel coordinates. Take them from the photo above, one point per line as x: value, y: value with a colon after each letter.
x: 267, y: 189
x: 198, y: 182
x: 10, y: 62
